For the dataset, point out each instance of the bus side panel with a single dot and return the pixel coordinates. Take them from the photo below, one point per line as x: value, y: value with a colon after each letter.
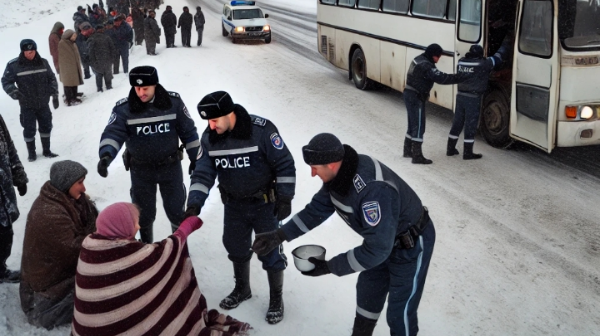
x: 442, y: 95
x: 326, y: 42
x: 393, y: 65
x: 370, y: 47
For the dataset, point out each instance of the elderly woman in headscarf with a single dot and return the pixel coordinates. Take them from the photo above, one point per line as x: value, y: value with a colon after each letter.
x: 53, y: 40
x: 128, y: 287
x: 69, y: 61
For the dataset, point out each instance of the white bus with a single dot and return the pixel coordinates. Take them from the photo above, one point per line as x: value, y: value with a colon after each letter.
x: 547, y: 95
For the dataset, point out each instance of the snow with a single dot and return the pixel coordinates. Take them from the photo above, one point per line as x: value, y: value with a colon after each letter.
x: 517, y: 249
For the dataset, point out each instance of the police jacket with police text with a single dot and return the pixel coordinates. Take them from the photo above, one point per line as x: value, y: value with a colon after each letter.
x: 151, y: 130
x: 477, y: 73
x: 246, y: 160
x: 34, y: 79
x: 423, y: 73
x: 374, y: 201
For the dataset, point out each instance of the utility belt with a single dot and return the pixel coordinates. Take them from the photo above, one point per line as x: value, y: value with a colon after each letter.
x: 406, y: 240
x: 266, y: 195
x: 129, y: 160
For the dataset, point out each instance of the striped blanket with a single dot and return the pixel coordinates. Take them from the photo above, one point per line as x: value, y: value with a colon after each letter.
x: 125, y: 287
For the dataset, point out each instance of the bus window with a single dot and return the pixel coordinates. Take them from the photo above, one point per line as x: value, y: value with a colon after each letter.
x: 536, y: 28
x: 452, y: 10
x: 328, y: 2
x: 469, y: 26
x: 579, y: 24
x: 396, y: 6
x: 347, y: 3
x: 430, y: 8
x: 369, y: 4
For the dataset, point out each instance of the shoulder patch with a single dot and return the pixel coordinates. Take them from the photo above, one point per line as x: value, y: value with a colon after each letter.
x: 200, y: 151
x: 259, y: 121
x: 359, y: 184
x: 372, y: 213
x: 122, y: 101
x: 173, y: 94
x: 277, y: 141
x: 186, y: 112
x: 112, y: 118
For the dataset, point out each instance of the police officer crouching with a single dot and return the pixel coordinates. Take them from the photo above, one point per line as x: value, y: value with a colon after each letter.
x: 151, y: 121
x: 378, y: 205
x: 257, y: 181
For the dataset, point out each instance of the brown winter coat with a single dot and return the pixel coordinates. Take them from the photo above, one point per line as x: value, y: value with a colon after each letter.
x: 56, y: 226
x: 53, y: 40
x: 69, y: 61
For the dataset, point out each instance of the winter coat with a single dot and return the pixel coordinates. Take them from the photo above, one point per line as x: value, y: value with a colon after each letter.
x: 34, y: 79
x: 199, y: 20
x: 169, y: 22
x: 102, y: 50
x: 98, y: 17
x: 138, y: 20
x: 185, y: 21
x: 12, y: 174
x: 79, y: 18
x: 82, y: 47
x: 53, y: 40
x: 56, y: 226
x: 123, y: 35
x: 71, y: 73
x: 151, y: 30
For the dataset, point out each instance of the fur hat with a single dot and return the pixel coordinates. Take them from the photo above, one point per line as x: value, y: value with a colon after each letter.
x: 28, y: 44
x: 79, y: 8
x: 476, y: 51
x: 143, y: 76
x: 63, y: 174
x: 322, y: 149
x: 433, y: 50
x: 118, y: 221
x: 215, y: 105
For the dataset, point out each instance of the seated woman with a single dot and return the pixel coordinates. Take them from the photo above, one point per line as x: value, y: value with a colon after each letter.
x: 128, y: 287
x: 59, y: 219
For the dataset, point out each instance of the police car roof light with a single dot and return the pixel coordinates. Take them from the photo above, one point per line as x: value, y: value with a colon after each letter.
x: 243, y: 3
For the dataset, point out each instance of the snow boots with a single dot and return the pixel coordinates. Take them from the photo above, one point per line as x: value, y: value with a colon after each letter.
x: 451, y: 148
x: 241, y: 292
x: 275, y: 312
x: 46, y: 148
x: 363, y: 326
x: 407, y: 148
x: 31, y: 150
x: 468, y: 154
x: 417, y: 154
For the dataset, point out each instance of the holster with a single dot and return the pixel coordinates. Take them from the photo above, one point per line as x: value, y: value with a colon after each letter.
x: 268, y: 195
x: 180, y: 151
x: 406, y: 239
x: 126, y: 159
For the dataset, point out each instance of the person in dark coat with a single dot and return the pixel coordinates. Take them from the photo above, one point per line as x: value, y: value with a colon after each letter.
x: 86, y: 30
x: 53, y: 40
x: 199, y: 22
x: 138, y: 24
x: 169, y: 23
x: 185, y: 23
x: 102, y: 51
x: 79, y: 17
x: 12, y: 174
x: 151, y: 33
x: 30, y: 80
x: 97, y: 15
x: 123, y: 37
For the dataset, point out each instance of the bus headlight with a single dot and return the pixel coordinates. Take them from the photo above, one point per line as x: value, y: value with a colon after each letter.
x: 586, y: 112
x: 239, y: 29
x: 267, y: 28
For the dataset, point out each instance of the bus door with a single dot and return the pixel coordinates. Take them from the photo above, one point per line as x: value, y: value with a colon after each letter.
x: 535, y: 75
x: 468, y: 28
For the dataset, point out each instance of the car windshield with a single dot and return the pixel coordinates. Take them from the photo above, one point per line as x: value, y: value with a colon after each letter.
x: 243, y: 14
x: 579, y: 24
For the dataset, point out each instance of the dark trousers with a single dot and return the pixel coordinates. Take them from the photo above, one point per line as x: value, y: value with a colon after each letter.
x: 122, y: 53
x: 241, y: 218
x: 70, y: 93
x: 170, y: 40
x: 169, y: 179
x: 401, y: 278
x: 186, y: 37
x: 200, y: 31
x: 103, y: 73
x: 415, y: 110
x: 29, y: 117
x: 150, y: 48
x: 466, y: 114
x: 139, y: 35
x: 6, y: 241
x: 86, y: 68
x: 44, y: 312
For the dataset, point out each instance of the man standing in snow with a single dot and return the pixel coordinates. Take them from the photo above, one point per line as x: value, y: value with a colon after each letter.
x: 378, y: 205
x: 169, y: 23
x: 123, y: 38
x: 30, y: 80
x: 102, y: 52
x: 199, y: 22
x: 257, y: 180
x: 151, y: 121
x: 151, y: 33
x: 185, y: 23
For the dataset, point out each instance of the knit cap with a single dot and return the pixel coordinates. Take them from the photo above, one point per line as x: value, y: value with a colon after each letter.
x: 63, y: 174
x: 322, y: 149
x: 117, y: 221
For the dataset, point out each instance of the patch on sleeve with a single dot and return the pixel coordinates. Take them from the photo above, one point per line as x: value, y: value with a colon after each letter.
x: 200, y: 151
x: 260, y: 121
x: 372, y: 213
x: 359, y: 184
x: 276, y: 141
x: 112, y: 118
x: 186, y: 112
x: 173, y: 94
x: 122, y: 101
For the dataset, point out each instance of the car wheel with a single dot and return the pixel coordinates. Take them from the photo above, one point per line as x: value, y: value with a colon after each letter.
x: 268, y: 39
x: 358, y: 66
x: 495, y: 119
x: 225, y: 32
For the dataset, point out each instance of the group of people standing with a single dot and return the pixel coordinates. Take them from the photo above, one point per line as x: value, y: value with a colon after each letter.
x: 170, y: 24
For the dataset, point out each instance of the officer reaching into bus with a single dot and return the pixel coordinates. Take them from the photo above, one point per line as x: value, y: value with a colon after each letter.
x: 419, y: 81
x: 378, y: 205
x: 257, y: 179
x: 151, y: 121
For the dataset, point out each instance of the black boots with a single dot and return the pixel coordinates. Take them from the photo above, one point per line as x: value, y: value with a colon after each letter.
x: 468, y: 154
x: 275, y: 312
x: 363, y: 326
x: 407, y: 148
x: 451, y: 148
x: 46, y: 148
x: 31, y: 150
x: 241, y: 292
x: 417, y: 154
x: 6, y: 242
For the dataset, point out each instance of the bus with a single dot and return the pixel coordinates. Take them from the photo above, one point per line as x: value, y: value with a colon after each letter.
x: 547, y: 94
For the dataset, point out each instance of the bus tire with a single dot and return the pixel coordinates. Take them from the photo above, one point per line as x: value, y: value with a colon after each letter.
x: 358, y: 68
x: 495, y: 119
x: 225, y: 32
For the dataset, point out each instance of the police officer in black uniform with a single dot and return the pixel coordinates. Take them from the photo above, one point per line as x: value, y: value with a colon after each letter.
x: 151, y: 121
x: 378, y: 205
x: 30, y: 80
x: 468, y: 98
x: 419, y: 81
x: 257, y: 180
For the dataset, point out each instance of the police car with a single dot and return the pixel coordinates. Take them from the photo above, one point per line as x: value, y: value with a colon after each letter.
x: 243, y: 20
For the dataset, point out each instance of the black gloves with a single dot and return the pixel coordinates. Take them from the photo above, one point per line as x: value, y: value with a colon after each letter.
x: 266, y: 242
x: 192, y: 167
x: 103, y: 165
x: 22, y: 188
x: 192, y: 210
x: 283, y: 207
x: 15, y: 94
x: 321, y: 267
x: 55, y: 101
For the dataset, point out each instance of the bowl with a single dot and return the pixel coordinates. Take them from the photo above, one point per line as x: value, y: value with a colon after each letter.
x: 302, y: 253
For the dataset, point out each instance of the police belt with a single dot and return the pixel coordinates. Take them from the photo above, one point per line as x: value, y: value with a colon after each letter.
x: 406, y: 240
x: 267, y: 196
x: 177, y: 156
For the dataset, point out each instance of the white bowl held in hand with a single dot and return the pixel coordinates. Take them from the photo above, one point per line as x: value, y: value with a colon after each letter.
x: 302, y: 253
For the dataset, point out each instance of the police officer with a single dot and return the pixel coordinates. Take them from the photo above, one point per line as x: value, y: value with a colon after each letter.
x: 378, y: 205
x: 30, y: 80
x: 257, y: 180
x: 419, y: 81
x: 468, y: 98
x: 151, y: 121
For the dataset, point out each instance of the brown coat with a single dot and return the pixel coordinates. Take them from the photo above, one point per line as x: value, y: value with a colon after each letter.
x: 69, y: 61
x: 53, y: 40
x: 56, y: 226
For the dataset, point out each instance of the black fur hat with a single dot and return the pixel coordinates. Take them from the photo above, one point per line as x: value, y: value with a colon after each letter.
x: 322, y: 149
x: 215, y: 105
x: 28, y: 44
x: 143, y: 76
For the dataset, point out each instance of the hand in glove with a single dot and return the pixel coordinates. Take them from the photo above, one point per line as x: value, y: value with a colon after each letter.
x: 321, y: 267
x: 16, y: 94
x: 192, y: 167
x: 55, y: 101
x: 283, y: 207
x: 266, y: 242
x: 103, y: 165
x: 22, y: 188
x: 191, y: 211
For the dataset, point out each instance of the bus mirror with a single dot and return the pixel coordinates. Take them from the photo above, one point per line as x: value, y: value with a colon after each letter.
x: 266, y: 16
x: 229, y: 18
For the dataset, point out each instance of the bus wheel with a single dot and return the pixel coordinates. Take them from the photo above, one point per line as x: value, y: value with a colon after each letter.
x: 358, y: 66
x: 225, y: 32
x: 495, y: 119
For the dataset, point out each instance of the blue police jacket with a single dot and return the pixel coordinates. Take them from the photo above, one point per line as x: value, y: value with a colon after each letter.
x: 247, y: 160
x: 122, y: 35
x: 33, y: 79
x: 374, y: 201
x: 151, y: 130
x: 422, y: 73
x: 478, y: 72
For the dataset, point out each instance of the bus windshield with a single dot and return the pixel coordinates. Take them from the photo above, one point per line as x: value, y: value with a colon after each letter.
x: 244, y: 14
x: 579, y: 24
